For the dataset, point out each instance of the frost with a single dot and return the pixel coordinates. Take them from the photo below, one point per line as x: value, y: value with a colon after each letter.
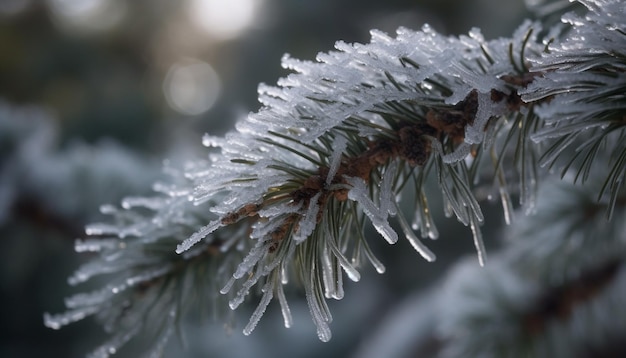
x: 415, y: 241
x: 244, y: 290
x: 459, y: 154
x: 333, y: 288
x: 423, y: 219
x: 352, y: 272
x: 268, y: 291
x: 487, y: 109
x: 229, y: 285
x: 338, y: 148
x: 478, y: 242
x: 60, y: 320
x: 366, y: 131
x: 280, y: 209
x: 270, y: 197
x: 88, y: 270
x: 147, y: 276
x: 284, y: 307
x: 309, y: 220
x: 148, y: 203
x: 378, y: 266
x: 250, y: 260
x: 95, y: 245
x: 101, y: 229
x: 213, y: 141
x: 347, y: 82
x: 319, y: 313
x: 379, y: 218
x: 387, y: 198
x: 198, y: 235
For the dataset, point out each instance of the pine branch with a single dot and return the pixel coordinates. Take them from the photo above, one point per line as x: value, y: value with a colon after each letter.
x: 333, y: 146
x: 555, y: 288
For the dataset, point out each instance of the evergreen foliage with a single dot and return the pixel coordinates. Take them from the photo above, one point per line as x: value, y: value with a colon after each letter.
x: 287, y: 196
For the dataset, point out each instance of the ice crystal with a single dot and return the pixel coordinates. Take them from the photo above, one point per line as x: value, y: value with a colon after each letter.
x: 289, y: 192
x: 377, y: 214
x: 585, y: 78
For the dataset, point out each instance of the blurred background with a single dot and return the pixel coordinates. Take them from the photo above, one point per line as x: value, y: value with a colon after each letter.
x: 95, y: 94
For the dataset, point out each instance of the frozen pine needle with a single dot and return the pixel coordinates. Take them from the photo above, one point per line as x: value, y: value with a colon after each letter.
x: 291, y: 191
x: 197, y: 236
x: 339, y: 145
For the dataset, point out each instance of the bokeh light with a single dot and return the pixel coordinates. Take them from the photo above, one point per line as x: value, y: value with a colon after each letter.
x: 91, y: 15
x: 192, y: 87
x: 221, y: 19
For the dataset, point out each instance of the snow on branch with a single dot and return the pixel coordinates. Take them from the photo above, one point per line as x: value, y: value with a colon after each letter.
x: 337, y: 141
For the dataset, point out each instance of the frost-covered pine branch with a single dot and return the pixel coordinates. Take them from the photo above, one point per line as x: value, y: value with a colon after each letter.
x: 555, y: 289
x: 287, y: 196
x: 40, y: 180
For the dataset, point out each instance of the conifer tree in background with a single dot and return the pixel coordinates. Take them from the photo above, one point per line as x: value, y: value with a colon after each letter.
x: 338, y: 145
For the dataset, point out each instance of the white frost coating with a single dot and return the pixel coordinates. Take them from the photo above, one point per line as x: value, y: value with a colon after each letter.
x: 414, y: 240
x: 507, y: 205
x: 461, y: 92
x: 228, y: 286
x: 270, y: 266
x: 95, y: 245
x: 339, y: 292
x: 280, y: 209
x: 253, y: 257
x: 333, y: 97
x: 379, y: 219
x: 198, y: 235
x: 262, y: 229
x: 462, y: 200
x: 328, y: 273
x: 423, y: 220
x: 244, y: 290
x: 284, y: 307
x: 309, y: 220
x: 108, y: 209
x: 148, y: 275
x: 284, y: 276
x: 331, y: 275
x: 213, y: 141
x: 459, y: 154
x: 101, y: 229
x: 367, y: 131
x: 350, y: 270
x: 149, y: 203
x: 478, y: 242
x: 59, y: 320
x: 348, y: 82
x: 244, y: 193
x: 353, y: 273
x: 335, y: 160
x: 320, y: 319
x: 385, y: 230
x: 380, y: 268
x: 268, y: 293
x: 89, y: 270
x: 387, y: 201
x: 487, y: 109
